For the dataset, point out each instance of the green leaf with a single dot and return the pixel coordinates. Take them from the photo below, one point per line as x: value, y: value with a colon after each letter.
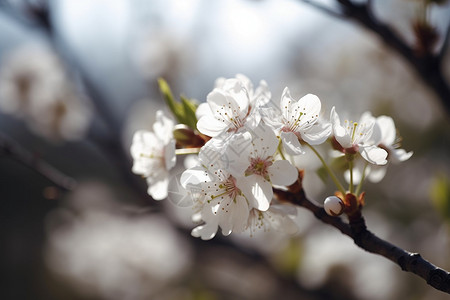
x: 189, y: 112
x: 440, y: 194
x: 174, y: 106
x: 184, y: 111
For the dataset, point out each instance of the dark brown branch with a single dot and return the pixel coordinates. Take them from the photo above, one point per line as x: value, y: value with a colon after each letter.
x: 444, y: 45
x: 328, y: 10
x: 13, y: 150
x: 428, y: 67
x: 357, y: 230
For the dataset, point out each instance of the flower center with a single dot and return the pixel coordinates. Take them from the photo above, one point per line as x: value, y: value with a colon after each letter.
x: 259, y: 166
x: 227, y: 188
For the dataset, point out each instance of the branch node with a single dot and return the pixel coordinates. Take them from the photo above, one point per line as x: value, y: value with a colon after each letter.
x: 439, y: 279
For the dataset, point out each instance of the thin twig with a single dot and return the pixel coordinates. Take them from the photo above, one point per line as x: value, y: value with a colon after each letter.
x: 13, y: 150
x: 325, y: 9
x: 357, y: 230
x: 427, y: 67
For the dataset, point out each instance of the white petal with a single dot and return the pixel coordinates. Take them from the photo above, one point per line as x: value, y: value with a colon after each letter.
x: 374, y: 154
x: 280, y: 220
x: 163, y: 127
x: 236, y: 157
x: 317, y: 134
x: 285, y: 103
x: 282, y: 172
x: 291, y: 143
x: 257, y: 190
x: 158, y: 188
x: 143, y: 142
x: 169, y: 155
x: 233, y: 215
x: 399, y: 155
x: 339, y: 132
x: 357, y: 175
x: 262, y: 94
x: 271, y: 117
x: 202, y: 110
x: 194, y: 176
x: 387, y: 130
x: 206, y: 231
x: 376, y: 173
x: 310, y: 107
x: 334, y: 117
x: 265, y: 141
x: 210, y: 126
x: 222, y: 102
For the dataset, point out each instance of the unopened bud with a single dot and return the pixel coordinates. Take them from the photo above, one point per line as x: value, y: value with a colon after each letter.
x: 333, y: 206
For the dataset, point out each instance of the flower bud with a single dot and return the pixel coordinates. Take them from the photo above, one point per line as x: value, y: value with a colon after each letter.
x: 333, y: 206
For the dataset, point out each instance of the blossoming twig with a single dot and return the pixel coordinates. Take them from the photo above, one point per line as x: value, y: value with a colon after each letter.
x: 365, y: 239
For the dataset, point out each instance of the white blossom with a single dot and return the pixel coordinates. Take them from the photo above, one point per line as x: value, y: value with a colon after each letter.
x: 252, y: 159
x: 277, y: 217
x: 231, y: 105
x: 154, y: 155
x: 385, y: 136
x: 298, y: 120
x: 356, y: 137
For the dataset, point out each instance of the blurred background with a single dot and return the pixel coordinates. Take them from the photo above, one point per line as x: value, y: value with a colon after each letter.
x: 77, y: 78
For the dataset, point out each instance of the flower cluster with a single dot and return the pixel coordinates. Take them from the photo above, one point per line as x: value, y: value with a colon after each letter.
x: 245, y: 150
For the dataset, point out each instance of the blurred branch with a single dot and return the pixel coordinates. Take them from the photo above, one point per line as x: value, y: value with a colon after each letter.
x: 428, y: 66
x: 444, y: 46
x: 357, y: 230
x: 13, y: 150
x: 325, y: 9
x: 110, y: 143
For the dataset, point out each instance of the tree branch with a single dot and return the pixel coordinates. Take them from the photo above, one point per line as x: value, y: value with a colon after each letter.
x: 428, y: 67
x: 15, y: 151
x: 357, y: 230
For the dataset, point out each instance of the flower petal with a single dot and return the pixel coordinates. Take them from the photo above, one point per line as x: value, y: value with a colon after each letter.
x: 291, y: 143
x: 399, y: 155
x: 339, y: 132
x: 169, y: 155
x: 210, y: 126
x: 158, y: 186
x: 233, y: 215
x: 388, y: 133
x: 257, y: 190
x: 163, y: 127
x: 310, y: 106
x: 377, y: 173
x: 282, y: 172
x: 265, y: 142
x: 317, y: 134
x: 373, y: 154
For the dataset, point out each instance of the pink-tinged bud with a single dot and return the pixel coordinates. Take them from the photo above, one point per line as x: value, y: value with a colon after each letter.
x: 333, y: 206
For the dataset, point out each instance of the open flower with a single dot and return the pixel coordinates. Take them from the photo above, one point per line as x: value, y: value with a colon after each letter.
x: 354, y: 137
x: 385, y: 136
x: 277, y: 217
x: 231, y: 105
x: 154, y: 155
x: 217, y: 198
x: 298, y: 120
x: 252, y: 160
